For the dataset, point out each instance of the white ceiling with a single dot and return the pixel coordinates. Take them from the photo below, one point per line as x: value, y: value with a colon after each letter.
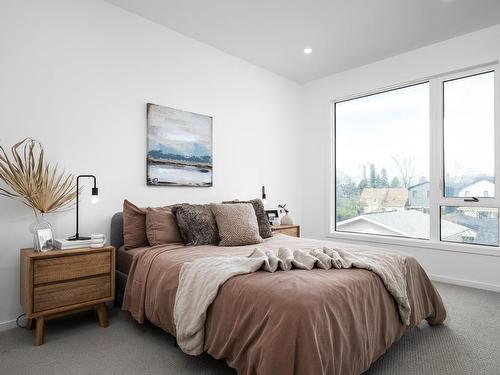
x: 342, y: 33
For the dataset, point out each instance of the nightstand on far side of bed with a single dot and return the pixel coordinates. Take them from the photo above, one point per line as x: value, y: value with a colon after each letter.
x: 289, y: 230
x: 62, y: 282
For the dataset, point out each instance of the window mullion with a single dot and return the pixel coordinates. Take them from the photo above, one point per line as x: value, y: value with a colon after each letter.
x: 482, y: 202
x: 497, y: 142
x: 436, y: 156
x: 497, y: 136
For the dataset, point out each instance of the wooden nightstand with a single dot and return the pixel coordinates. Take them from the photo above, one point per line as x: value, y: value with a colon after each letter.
x: 61, y: 282
x: 290, y: 230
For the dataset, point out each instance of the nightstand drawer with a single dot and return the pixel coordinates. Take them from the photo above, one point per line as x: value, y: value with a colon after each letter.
x: 71, y: 267
x: 56, y: 295
x: 289, y: 232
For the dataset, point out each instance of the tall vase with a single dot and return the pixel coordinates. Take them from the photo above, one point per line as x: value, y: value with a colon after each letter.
x: 286, y: 220
x: 39, y: 224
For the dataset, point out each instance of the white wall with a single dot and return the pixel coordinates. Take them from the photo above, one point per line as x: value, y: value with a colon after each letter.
x: 454, y: 54
x: 77, y: 75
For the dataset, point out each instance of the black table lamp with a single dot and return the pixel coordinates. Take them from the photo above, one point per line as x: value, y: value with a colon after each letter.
x: 95, y: 199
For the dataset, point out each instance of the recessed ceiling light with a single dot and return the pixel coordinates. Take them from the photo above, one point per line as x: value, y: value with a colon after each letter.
x: 308, y: 50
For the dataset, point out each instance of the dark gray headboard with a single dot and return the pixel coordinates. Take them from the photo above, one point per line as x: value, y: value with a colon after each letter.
x: 116, y: 236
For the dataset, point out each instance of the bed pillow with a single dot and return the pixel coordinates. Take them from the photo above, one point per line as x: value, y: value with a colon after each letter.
x: 161, y: 226
x: 260, y: 213
x: 237, y: 224
x: 196, y: 224
x: 134, y: 226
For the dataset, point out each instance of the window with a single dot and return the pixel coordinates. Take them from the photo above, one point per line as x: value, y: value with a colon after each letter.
x: 469, y: 154
x: 378, y: 164
x: 476, y: 225
x: 385, y: 182
x: 469, y: 159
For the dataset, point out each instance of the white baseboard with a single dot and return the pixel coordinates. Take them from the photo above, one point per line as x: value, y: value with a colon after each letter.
x: 4, y: 326
x: 467, y: 283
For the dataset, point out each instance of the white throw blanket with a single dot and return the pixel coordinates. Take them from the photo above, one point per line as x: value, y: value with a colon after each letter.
x: 200, y: 280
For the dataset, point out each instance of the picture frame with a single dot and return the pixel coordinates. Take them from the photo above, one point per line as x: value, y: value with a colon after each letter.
x: 179, y: 147
x: 44, y: 239
x: 272, y: 215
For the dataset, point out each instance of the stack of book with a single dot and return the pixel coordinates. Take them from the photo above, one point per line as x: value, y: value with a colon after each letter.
x: 64, y: 244
x: 97, y: 240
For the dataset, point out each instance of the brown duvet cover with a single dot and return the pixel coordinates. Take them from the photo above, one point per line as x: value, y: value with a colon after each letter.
x: 296, y: 322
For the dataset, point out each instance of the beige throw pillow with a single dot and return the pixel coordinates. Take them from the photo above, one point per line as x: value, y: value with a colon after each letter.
x: 237, y: 224
x: 264, y: 226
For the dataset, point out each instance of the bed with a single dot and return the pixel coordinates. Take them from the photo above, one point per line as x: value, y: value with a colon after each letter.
x: 297, y: 322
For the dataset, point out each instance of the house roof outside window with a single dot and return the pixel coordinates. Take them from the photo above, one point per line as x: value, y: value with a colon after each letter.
x: 384, y: 197
x: 410, y: 223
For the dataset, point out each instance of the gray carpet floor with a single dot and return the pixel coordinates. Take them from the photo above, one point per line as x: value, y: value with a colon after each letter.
x: 468, y: 344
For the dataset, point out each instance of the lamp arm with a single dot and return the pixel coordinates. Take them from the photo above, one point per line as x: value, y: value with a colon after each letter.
x: 89, y: 176
x: 77, y: 235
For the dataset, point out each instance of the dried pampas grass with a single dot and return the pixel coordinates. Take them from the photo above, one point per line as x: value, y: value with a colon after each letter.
x: 33, y: 182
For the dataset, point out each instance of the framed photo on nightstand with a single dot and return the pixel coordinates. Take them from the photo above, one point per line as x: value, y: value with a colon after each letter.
x: 45, y: 239
x: 272, y: 215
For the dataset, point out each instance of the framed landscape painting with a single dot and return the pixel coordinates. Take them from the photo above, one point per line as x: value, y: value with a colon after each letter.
x: 179, y: 150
